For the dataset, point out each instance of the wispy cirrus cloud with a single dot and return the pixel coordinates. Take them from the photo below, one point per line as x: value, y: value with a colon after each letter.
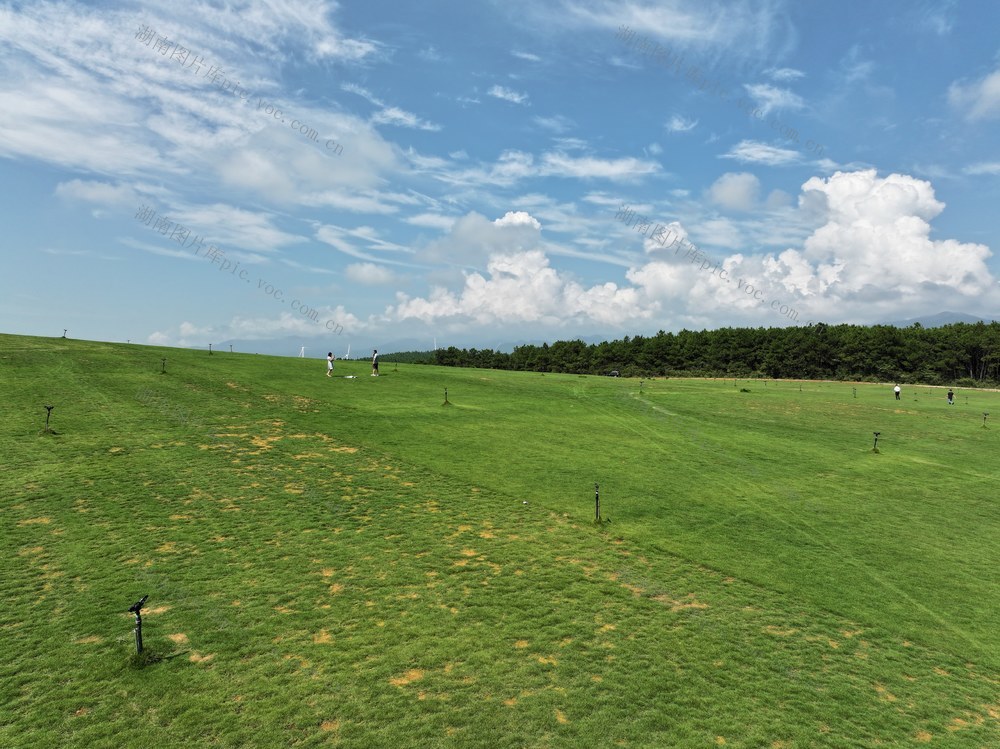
x: 514, y: 166
x: 977, y: 100
x: 784, y: 74
x: 983, y: 167
x: 370, y: 274
x: 755, y: 152
x: 526, y: 56
x: 739, y: 27
x: 507, y: 94
x: 557, y: 123
x: 770, y: 98
x: 390, y: 115
x: 678, y: 124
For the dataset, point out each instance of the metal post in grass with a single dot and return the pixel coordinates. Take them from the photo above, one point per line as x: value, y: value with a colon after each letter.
x: 210, y: 349
x: 597, y: 503
x: 640, y: 386
x: 985, y: 414
x: 48, y: 413
x: 446, y: 403
x: 230, y: 348
x: 64, y: 332
x: 135, y: 608
x: 855, y: 392
x: 875, y: 446
x: 163, y: 366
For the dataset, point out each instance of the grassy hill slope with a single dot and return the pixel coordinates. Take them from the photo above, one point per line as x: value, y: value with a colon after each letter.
x: 348, y: 562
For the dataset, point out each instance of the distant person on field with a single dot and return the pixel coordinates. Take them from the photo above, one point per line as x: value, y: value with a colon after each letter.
x: 330, y: 358
x: 375, y: 363
x: 951, y: 397
x: 896, y: 390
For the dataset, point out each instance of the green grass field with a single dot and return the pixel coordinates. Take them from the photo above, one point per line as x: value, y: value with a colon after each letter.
x: 349, y: 562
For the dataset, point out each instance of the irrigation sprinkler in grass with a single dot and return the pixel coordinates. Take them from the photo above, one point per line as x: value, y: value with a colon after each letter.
x: 855, y: 392
x: 230, y: 348
x: 136, y: 608
x: 875, y: 446
x: 597, y: 503
x: 163, y: 366
x: 210, y: 349
x: 446, y: 401
x: 64, y: 332
x: 48, y: 413
x: 985, y: 414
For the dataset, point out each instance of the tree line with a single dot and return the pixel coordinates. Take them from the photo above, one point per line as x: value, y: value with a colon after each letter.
x: 958, y: 354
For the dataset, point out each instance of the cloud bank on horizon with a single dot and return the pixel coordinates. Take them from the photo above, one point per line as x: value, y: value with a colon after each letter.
x: 479, y: 159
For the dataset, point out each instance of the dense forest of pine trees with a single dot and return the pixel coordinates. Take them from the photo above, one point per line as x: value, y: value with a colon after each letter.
x: 957, y: 354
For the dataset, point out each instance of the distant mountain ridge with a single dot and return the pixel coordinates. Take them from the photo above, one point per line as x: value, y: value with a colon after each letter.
x: 941, y: 318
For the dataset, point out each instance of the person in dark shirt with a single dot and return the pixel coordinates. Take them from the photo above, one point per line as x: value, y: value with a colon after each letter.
x: 951, y: 397
x: 375, y: 363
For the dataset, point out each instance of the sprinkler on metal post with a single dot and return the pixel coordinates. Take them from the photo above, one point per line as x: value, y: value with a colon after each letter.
x: 135, y: 608
x: 875, y: 446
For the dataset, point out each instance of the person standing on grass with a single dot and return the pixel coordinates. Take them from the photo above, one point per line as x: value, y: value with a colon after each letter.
x: 329, y: 364
x: 896, y: 390
x: 951, y: 397
x: 374, y: 362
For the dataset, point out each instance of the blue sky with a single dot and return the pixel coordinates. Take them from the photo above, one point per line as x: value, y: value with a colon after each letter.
x: 484, y: 172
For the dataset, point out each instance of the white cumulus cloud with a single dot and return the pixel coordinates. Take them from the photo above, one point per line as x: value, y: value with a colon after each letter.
x: 735, y: 191
x: 523, y: 288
